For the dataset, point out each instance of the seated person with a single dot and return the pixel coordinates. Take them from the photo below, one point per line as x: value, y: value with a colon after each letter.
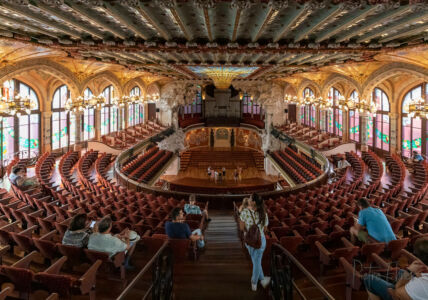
x: 417, y: 157
x: 102, y: 240
x: 178, y: 229
x: 412, y: 282
x: 192, y: 209
x: 375, y: 221
x: 343, y: 163
x: 77, y: 234
x: 18, y: 177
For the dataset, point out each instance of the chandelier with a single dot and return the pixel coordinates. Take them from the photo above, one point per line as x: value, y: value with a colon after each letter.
x: 417, y: 108
x: 17, y: 105
x: 80, y: 103
x: 363, y: 106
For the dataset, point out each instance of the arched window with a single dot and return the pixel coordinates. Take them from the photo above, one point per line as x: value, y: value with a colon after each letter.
x: 109, y: 113
x: 135, y: 111
x: 309, y: 110
x: 414, y: 130
x: 334, y: 117
x: 381, y: 128
x: 354, y: 120
x: 249, y: 107
x: 88, y: 128
x: 20, y: 133
x: 63, y: 123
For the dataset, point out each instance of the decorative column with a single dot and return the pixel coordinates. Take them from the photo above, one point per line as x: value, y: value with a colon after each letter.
x: 46, y: 138
x: 78, y: 131
x: 363, y: 131
x: 298, y: 113
x: 98, y: 124
x: 174, y: 117
x: 127, y: 115
x: 317, y: 117
x: 345, y: 125
x: 393, y: 139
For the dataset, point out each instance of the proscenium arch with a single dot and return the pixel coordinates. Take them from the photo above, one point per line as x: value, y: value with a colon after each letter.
x: 52, y: 68
x: 388, y: 71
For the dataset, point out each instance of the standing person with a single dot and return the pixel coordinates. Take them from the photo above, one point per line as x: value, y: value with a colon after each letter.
x: 215, y: 176
x: 209, y: 172
x: 223, y: 170
x: 235, y: 175
x: 212, y: 175
x: 375, y: 221
x: 255, y: 213
x: 239, y: 174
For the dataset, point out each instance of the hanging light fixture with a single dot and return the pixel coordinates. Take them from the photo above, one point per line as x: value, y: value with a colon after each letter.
x: 17, y: 105
x: 418, y: 108
x: 363, y: 106
x: 77, y: 104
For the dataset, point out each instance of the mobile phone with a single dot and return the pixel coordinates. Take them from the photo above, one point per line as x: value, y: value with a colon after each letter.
x: 92, y: 224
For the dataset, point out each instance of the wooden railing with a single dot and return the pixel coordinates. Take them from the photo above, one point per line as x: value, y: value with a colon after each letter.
x: 283, y: 286
x: 161, y: 266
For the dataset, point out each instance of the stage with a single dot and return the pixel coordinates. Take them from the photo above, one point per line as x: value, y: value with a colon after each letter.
x: 193, y: 176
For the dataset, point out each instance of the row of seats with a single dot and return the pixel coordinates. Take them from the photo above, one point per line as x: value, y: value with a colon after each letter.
x: 145, y: 166
x: 126, y: 138
x: 311, y: 136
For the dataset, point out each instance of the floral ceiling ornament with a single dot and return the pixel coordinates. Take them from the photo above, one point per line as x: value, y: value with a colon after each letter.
x: 241, y: 4
x: 205, y: 3
x: 278, y: 4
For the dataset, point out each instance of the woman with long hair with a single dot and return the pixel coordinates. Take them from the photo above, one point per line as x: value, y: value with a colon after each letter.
x: 255, y: 213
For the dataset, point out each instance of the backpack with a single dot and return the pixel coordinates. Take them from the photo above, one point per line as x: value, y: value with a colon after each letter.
x: 253, y: 236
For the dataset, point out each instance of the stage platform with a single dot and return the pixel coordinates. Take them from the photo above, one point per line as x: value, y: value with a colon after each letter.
x: 206, y: 186
x: 193, y: 177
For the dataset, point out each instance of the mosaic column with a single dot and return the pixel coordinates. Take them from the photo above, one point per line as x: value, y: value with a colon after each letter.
x: 393, y: 139
x: 298, y: 113
x: 97, y: 124
x: 317, y: 117
x: 363, y: 131
x: 126, y: 116
x: 345, y: 125
x: 46, y: 139
x: 78, y: 131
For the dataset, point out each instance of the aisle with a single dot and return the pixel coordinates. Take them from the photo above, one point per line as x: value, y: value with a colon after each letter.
x: 223, y: 271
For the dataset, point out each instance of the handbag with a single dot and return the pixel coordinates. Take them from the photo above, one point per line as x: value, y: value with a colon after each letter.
x: 253, y: 236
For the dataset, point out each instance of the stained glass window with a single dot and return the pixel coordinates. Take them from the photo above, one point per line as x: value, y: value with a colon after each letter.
x: 88, y: 128
x: 135, y: 111
x: 20, y: 134
x: 63, y: 125
x: 335, y: 118
x: 381, y: 129
x: 414, y: 136
x: 109, y: 113
x: 354, y: 120
x: 309, y: 110
x: 248, y: 105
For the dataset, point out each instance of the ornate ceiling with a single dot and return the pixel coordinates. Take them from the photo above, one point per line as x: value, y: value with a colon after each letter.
x: 166, y: 38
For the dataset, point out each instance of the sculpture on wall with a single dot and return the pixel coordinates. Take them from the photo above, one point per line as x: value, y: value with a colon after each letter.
x: 174, y: 142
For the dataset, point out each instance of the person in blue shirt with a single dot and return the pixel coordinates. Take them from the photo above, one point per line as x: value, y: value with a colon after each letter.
x: 374, y: 221
x: 192, y: 209
x: 177, y: 228
x: 417, y: 157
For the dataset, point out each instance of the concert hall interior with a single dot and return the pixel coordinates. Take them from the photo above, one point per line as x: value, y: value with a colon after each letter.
x: 213, y: 149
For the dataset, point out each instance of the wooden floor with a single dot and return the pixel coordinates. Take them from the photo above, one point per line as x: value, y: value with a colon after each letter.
x: 223, y: 270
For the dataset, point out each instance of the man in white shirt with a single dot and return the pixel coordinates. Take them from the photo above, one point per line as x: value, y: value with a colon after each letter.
x: 343, y: 163
x: 412, y: 283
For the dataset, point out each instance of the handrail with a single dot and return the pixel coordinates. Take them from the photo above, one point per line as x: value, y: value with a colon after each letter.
x: 142, y: 272
x: 290, y: 257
